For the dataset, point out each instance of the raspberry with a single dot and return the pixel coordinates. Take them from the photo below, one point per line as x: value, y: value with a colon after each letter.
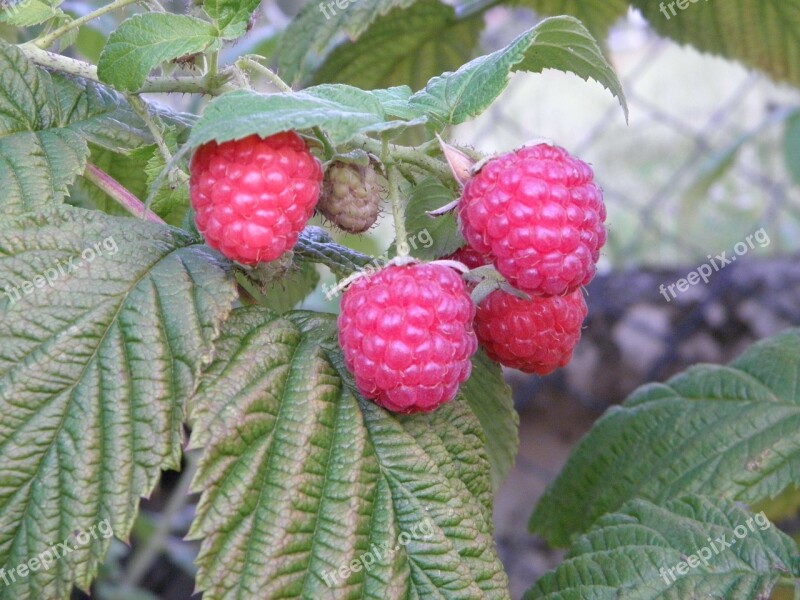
x: 472, y: 259
x: 538, y: 215
x: 534, y: 336
x: 407, y: 336
x: 350, y: 196
x: 252, y: 197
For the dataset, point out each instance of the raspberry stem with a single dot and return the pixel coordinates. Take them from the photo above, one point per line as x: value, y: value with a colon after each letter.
x: 398, y: 212
x: 119, y: 193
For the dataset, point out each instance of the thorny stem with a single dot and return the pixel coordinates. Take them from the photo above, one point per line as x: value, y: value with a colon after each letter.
x: 406, y: 154
x: 119, y: 193
x: 47, y: 40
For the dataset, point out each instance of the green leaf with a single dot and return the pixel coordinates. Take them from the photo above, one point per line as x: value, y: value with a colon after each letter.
x: 431, y: 237
x: 342, y: 111
x: 27, y: 13
x: 105, y: 323
x: 301, y: 477
x: 144, y: 41
x: 557, y: 43
x: 315, y: 28
x: 791, y: 147
x: 764, y: 34
x: 44, y: 124
x: 597, y: 17
x: 231, y: 16
x: 315, y: 245
x: 725, y: 552
x: 490, y: 399
x: 730, y: 432
x: 404, y: 47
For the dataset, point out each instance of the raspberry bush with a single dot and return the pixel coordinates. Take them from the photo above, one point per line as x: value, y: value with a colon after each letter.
x: 154, y: 255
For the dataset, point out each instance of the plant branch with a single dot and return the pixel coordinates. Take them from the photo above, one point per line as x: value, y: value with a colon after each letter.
x: 398, y: 212
x: 187, y: 85
x: 119, y: 193
x: 408, y: 155
x: 47, y: 40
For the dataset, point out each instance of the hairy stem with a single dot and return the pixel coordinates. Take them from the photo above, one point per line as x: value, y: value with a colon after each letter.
x: 85, y: 70
x: 398, y: 212
x: 406, y: 154
x: 271, y: 76
x: 119, y: 193
x: 47, y: 40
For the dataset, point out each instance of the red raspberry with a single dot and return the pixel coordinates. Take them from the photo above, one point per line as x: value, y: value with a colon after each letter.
x: 407, y: 336
x: 538, y: 215
x: 472, y: 259
x: 534, y: 336
x: 252, y: 197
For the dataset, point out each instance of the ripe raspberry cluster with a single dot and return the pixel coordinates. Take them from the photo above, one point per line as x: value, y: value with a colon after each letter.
x: 538, y: 216
x: 407, y: 336
x: 252, y: 197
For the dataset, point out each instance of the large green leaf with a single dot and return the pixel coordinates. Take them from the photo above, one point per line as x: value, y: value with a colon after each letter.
x: 315, y: 27
x: 561, y: 43
x: 144, y: 41
x: 44, y: 124
x: 598, y: 17
x: 302, y: 478
x: 764, y: 34
x: 105, y: 324
x: 405, y: 47
x: 729, y: 432
x: 723, y: 552
x: 342, y: 111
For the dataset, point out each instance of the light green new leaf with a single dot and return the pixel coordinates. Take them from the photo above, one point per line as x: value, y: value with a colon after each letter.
x: 105, y: 324
x: 724, y: 431
x: 404, y: 47
x: 44, y: 124
x: 342, y: 111
x: 725, y: 552
x: 302, y: 478
x: 144, y: 41
x: 764, y: 34
x: 561, y: 43
x: 231, y: 16
x: 318, y: 24
x: 598, y: 17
